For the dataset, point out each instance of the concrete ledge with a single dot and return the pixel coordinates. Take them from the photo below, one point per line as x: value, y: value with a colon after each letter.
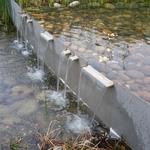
x: 114, y: 105
x: 100, y: 78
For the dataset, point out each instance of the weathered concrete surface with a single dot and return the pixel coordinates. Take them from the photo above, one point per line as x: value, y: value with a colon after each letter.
x: 115, y: 106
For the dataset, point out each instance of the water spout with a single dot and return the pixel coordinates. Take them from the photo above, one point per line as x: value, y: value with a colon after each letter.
x: 66, y: 77
x: 79, y: 89
x: 63, y: 53
x: 23, y: 29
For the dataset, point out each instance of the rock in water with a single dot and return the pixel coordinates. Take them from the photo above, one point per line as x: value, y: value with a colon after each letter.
x: 109, y: 6
x: 57, y: 5
x: 74, y: 4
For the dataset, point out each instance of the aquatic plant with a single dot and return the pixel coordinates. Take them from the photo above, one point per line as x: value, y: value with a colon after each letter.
x: 23, y: 3
x: 16, y: 144
x: 5, y: 13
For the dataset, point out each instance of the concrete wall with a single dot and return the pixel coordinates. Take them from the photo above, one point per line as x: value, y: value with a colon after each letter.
x: 115, y: 106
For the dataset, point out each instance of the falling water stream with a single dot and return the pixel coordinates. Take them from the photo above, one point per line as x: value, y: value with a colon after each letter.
x: 66, y: 77
x: 58, y: 72
x: 79, y: 89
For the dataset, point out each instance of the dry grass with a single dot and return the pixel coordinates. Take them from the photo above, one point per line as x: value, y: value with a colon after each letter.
x: 49, y: 140
x: 85, y: 141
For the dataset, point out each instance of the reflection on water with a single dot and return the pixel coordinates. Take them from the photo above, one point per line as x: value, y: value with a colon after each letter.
x: 126, y: 24
x: 115, y: 42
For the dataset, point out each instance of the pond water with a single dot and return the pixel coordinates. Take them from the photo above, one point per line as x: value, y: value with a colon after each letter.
x: 28, y: 102
x: 115, y: 42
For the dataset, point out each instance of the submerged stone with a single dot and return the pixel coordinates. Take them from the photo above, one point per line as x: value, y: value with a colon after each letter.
x: 57, y: 5
x: 135, y: 74
x: 74, y: 4
x: 3, y: 110
x: 27, y: 108
x: 94, y: 4
x: 120, y: 5
x: 21, y: 90
x: 109, y: 6
x: 144, y: 94
x: 10, y: 120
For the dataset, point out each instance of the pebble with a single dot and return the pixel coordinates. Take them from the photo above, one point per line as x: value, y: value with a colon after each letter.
x: 135, y: 58
x: 144, y: 94
x: 74, y: 4
x: 114, y: 66
x: 109, y: 6
x: 135, y: 87
x: 146, y: 70
x: 27, y: 107
x: 147, y: 60
x: 10, y: 120
x: 132, y: 65
x: 123, y: 77
x: 57, y: 5
x: 135, y: 74
x: 147, y: 80
x: 21, y: 90
x: 112, y: 75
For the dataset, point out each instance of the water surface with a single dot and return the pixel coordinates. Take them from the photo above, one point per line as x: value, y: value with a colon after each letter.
x: 28, y: 104
x: 115, y: 42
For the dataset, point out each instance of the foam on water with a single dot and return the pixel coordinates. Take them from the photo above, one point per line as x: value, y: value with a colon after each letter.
x: 57, y: 98
x: 36, y: 74
x: 18, y: 45
x: 77, y: 124
x: 25, y: 53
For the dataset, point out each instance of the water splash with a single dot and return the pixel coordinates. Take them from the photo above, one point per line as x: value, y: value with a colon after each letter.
x: 77, y: 124
x: 79, y: 89
x: 18, y: 45
x: 58, y: 99
x: 58, y: 72
x: 25, y: 53
x: 66, y: 78
x: 36, y: 74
